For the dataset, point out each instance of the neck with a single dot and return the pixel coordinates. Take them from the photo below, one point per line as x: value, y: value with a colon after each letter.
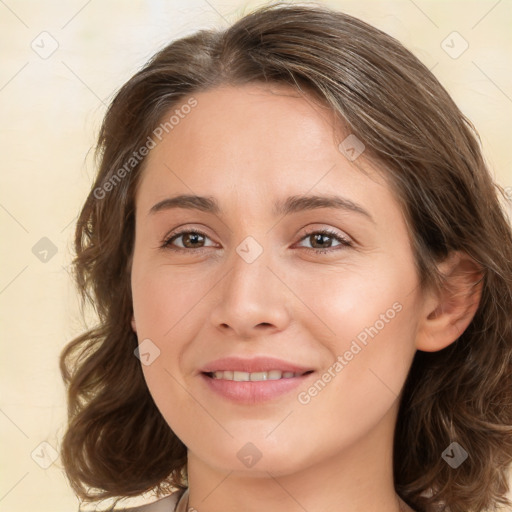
x: 355, y: 479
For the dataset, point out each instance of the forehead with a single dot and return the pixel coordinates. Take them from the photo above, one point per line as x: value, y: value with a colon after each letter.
x: 255, y: 141
x: 256, y: 121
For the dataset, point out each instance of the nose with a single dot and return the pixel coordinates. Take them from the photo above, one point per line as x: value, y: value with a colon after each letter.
x: 251, y: 299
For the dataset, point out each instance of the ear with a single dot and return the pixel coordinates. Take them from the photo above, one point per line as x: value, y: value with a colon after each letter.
x: 134, y: 326
x: 447, y: 314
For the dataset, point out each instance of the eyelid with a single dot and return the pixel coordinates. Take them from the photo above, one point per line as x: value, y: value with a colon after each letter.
x: 326, y: 230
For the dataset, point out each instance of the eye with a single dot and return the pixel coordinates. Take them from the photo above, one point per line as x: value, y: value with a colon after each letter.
x: 191, y: 239
x: 320, y: 236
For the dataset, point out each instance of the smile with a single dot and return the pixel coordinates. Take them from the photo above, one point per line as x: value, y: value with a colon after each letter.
x: 240, y: 376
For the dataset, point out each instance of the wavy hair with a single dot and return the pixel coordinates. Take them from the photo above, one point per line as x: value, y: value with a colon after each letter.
x: 117, y: 444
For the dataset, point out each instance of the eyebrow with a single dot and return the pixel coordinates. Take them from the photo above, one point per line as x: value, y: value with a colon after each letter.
x: 290, y: 205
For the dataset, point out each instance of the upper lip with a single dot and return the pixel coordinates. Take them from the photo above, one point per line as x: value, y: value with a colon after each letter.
x: 253, y: 364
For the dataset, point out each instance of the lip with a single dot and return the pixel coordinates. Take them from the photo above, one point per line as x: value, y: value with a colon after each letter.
x: 253, y: 392
x: 254, y: 364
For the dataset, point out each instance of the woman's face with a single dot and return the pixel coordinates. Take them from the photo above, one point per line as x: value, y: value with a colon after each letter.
x: 317, y: 331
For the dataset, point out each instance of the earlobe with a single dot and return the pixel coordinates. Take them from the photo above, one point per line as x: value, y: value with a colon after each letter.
x: 446, y: 315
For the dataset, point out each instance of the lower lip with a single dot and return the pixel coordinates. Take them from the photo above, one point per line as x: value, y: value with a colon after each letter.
x: 251, y: 392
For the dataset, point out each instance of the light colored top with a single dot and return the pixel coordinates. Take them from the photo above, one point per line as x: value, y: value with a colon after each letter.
x: 175, y: 502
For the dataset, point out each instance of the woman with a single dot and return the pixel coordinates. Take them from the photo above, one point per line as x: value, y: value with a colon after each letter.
x: 303, y: 278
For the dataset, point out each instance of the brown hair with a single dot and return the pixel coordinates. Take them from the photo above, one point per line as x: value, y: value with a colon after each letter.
x: 117, y: 443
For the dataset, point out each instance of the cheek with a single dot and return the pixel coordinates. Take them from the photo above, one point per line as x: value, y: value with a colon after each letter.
x: 356, y: 300
x: 165, y: 309
x: 369, y: 361
x: 367, y: 320
x: 163, y: 299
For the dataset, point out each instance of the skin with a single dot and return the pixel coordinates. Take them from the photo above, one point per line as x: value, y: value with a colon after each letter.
x: 247, y: 147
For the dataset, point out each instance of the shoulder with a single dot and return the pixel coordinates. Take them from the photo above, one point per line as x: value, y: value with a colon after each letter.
x: 167, y: 504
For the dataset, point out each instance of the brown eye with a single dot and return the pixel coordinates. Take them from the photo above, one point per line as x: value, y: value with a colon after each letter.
x: 191, y: 239
x: 321, y: 241
x: 319, y: 238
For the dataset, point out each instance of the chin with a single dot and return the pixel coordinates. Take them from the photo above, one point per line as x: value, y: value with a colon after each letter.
x: 256, y: 458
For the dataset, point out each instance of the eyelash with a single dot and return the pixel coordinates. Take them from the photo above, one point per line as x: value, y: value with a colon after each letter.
x: 327, y: 232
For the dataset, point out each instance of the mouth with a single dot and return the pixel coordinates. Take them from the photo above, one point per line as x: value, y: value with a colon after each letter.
x: 241, y: 376
x: 250, y: 388
x: 254, y: 380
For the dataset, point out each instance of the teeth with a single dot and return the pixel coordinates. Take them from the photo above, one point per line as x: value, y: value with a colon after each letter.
x: 255, y: 376
x: 259, y: 376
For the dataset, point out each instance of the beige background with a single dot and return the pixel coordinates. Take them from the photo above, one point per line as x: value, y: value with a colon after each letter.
x: 50, y: 110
